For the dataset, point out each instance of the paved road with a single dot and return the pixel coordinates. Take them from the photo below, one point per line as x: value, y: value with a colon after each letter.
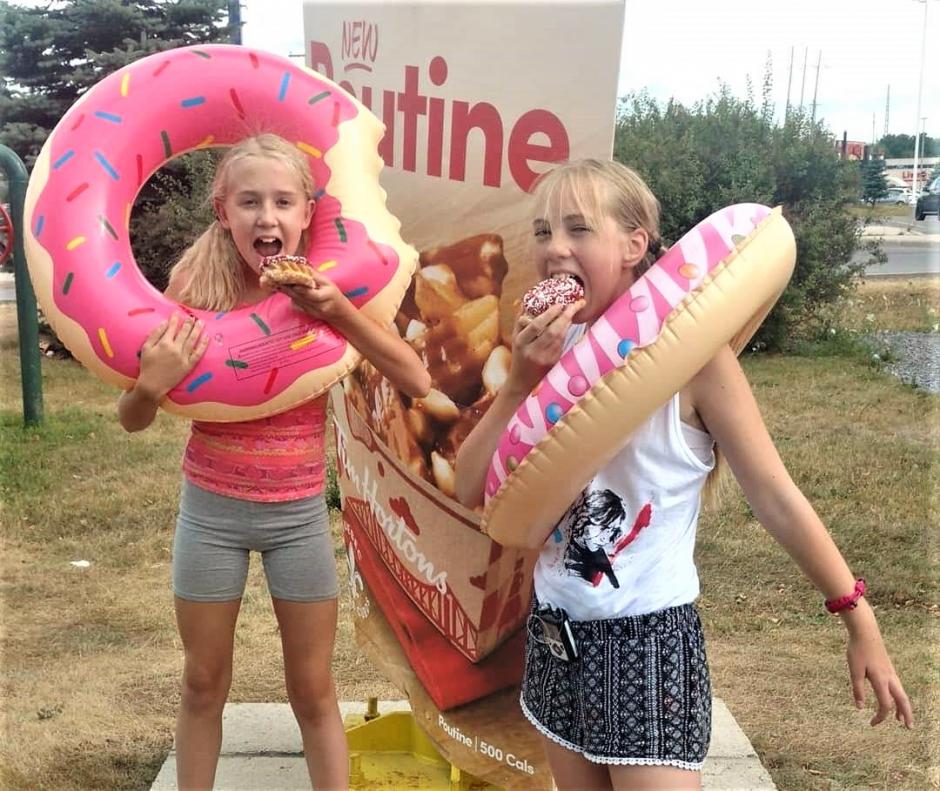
x: 908, y: 259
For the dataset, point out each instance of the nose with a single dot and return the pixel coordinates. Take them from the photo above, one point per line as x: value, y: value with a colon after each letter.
x: 559, y: 246
x: 266, y: 215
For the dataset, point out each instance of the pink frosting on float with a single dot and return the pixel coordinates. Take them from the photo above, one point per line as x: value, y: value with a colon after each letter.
x: 125, y: 128
x: 633, y: 321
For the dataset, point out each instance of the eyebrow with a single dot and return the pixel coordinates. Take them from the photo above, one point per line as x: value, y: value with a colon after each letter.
x: 279, y: 193
x: 567, y: 218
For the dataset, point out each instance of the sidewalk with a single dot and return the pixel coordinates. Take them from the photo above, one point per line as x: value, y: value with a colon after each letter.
x: 900, y: 234
x: 261, y: 751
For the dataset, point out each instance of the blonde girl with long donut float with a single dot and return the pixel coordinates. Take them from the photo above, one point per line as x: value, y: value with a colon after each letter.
x: 256, y: 484
x: 616, y: 679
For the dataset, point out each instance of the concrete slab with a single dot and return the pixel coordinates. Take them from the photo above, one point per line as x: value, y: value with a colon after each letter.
x: 262, y: 751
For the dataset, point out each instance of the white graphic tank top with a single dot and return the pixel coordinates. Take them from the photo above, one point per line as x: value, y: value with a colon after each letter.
x: 625, y: 546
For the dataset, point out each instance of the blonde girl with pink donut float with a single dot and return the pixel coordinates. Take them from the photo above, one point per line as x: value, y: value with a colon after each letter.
x: 616, y: 678
x: 256, y: 484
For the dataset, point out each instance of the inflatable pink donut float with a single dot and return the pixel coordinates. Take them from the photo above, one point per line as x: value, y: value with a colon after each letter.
x: 713, y: 287
x: 264, y: 358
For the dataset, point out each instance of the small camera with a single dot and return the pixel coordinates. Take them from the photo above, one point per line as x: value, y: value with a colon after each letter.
x: 557, y: 634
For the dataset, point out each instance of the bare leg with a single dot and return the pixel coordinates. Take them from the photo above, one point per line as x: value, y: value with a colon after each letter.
x: 573, y: 772
x: 308, y: 630
x: 207, y: 630
x: 654, y: 778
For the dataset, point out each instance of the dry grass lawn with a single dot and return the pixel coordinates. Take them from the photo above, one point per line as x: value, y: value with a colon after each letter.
x: 90, y: 657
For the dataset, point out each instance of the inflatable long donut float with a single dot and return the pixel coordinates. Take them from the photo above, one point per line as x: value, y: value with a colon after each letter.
x: 262, y: 359
x: 713, y: 287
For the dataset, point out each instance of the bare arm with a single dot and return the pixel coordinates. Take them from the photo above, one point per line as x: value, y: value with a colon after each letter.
x: 537, y: 345
x: 382, y: 346
x: 723, y: 399
x: 167, y: 356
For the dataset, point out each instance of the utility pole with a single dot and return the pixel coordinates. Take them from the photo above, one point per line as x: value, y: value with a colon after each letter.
x: 786, y: 111
x: 235, y: 20
x: 803, y: 83
x: 816, y: 87
x: 887, y: 109
x: 920, y: 86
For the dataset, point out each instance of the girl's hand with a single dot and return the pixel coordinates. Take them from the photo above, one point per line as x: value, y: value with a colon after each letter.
x: 537, y: 344
x: 170, y: 352
x: 323, y: 300
x: 869, y: 659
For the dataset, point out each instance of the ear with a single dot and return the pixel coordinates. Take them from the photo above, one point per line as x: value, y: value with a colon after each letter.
x: 635, y: 245
x: 308, y: 214
x: 219, y: 208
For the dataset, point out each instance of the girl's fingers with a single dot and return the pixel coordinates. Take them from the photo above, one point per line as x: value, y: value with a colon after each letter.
x: 857, y: 674
x: 156, y: 334
x: 904, y: 713
x: 199, y: 349
x: 173, y: 326
x: 185, y: 329
x: 192, y: 337
x: 885, y: 701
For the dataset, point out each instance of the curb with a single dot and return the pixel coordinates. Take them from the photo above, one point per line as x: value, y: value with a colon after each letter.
x: 261, y: 749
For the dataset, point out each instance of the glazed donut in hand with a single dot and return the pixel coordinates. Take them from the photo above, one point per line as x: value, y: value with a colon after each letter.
x: 556, y: 290
x: 285, y: 270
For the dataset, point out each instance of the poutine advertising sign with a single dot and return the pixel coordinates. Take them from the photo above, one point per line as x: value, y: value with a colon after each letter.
x: 478, y: 100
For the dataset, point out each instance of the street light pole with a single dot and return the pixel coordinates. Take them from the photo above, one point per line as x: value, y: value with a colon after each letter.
x: 920, y: 88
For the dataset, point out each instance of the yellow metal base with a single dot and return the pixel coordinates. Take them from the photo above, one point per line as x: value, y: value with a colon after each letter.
x: 390, y: 751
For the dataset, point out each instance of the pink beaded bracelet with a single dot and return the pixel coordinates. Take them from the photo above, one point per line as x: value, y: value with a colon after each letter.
x: 849, y: 602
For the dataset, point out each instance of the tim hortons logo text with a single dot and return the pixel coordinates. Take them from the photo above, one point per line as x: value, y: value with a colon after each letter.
x: 538, y: 135
x: 393, y: 526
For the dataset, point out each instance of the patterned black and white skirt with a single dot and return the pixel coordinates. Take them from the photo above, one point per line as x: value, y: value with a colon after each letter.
x: 639, y: 692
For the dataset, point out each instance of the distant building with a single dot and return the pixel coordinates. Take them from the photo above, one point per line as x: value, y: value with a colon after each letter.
x: 902, y: 169
x: 853, y: 149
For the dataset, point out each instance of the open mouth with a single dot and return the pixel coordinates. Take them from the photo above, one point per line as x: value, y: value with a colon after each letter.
x: 267, y: 245
x: 568, y: 275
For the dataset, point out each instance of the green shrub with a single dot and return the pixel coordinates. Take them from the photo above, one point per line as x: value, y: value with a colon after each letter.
x: 727, y: 150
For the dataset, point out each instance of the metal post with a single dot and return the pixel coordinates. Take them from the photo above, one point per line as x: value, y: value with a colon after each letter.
x: 235, y: 20
x: 920, y: 87
x: 27, y: 322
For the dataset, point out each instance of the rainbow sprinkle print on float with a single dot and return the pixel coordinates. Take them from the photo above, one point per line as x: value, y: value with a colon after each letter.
x: 263, y: 359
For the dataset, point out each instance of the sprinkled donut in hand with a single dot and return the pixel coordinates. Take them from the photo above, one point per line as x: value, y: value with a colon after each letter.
x: 285, y: 270
x: 713, y: 287
x: 261, y: 359
x: 557, y: 290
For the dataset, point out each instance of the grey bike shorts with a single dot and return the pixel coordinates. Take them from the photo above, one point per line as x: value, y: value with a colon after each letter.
x: 215, y: 534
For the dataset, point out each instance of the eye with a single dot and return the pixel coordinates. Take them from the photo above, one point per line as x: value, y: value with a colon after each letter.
x: 542, y: 232
x: 285, y: 202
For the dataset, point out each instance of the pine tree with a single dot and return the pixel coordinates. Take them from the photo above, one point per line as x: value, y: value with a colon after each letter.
x: 50, y: 56
x: 874, y: 183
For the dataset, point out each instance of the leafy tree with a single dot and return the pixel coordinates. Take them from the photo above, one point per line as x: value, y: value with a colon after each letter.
x: 900, y: 146
x: 726, y: 150
x: 874, y: 183
x: 49, y: 56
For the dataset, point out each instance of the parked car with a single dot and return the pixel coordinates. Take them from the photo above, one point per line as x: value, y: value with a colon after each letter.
x: 898, y: 196
x: 928, y: 202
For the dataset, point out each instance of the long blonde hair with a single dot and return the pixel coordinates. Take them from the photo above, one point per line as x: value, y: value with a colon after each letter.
x: 211, y: 272
x: 601, y: 188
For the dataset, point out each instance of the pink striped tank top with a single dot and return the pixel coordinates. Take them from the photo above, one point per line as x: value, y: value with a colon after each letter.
x: 273, y: 459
